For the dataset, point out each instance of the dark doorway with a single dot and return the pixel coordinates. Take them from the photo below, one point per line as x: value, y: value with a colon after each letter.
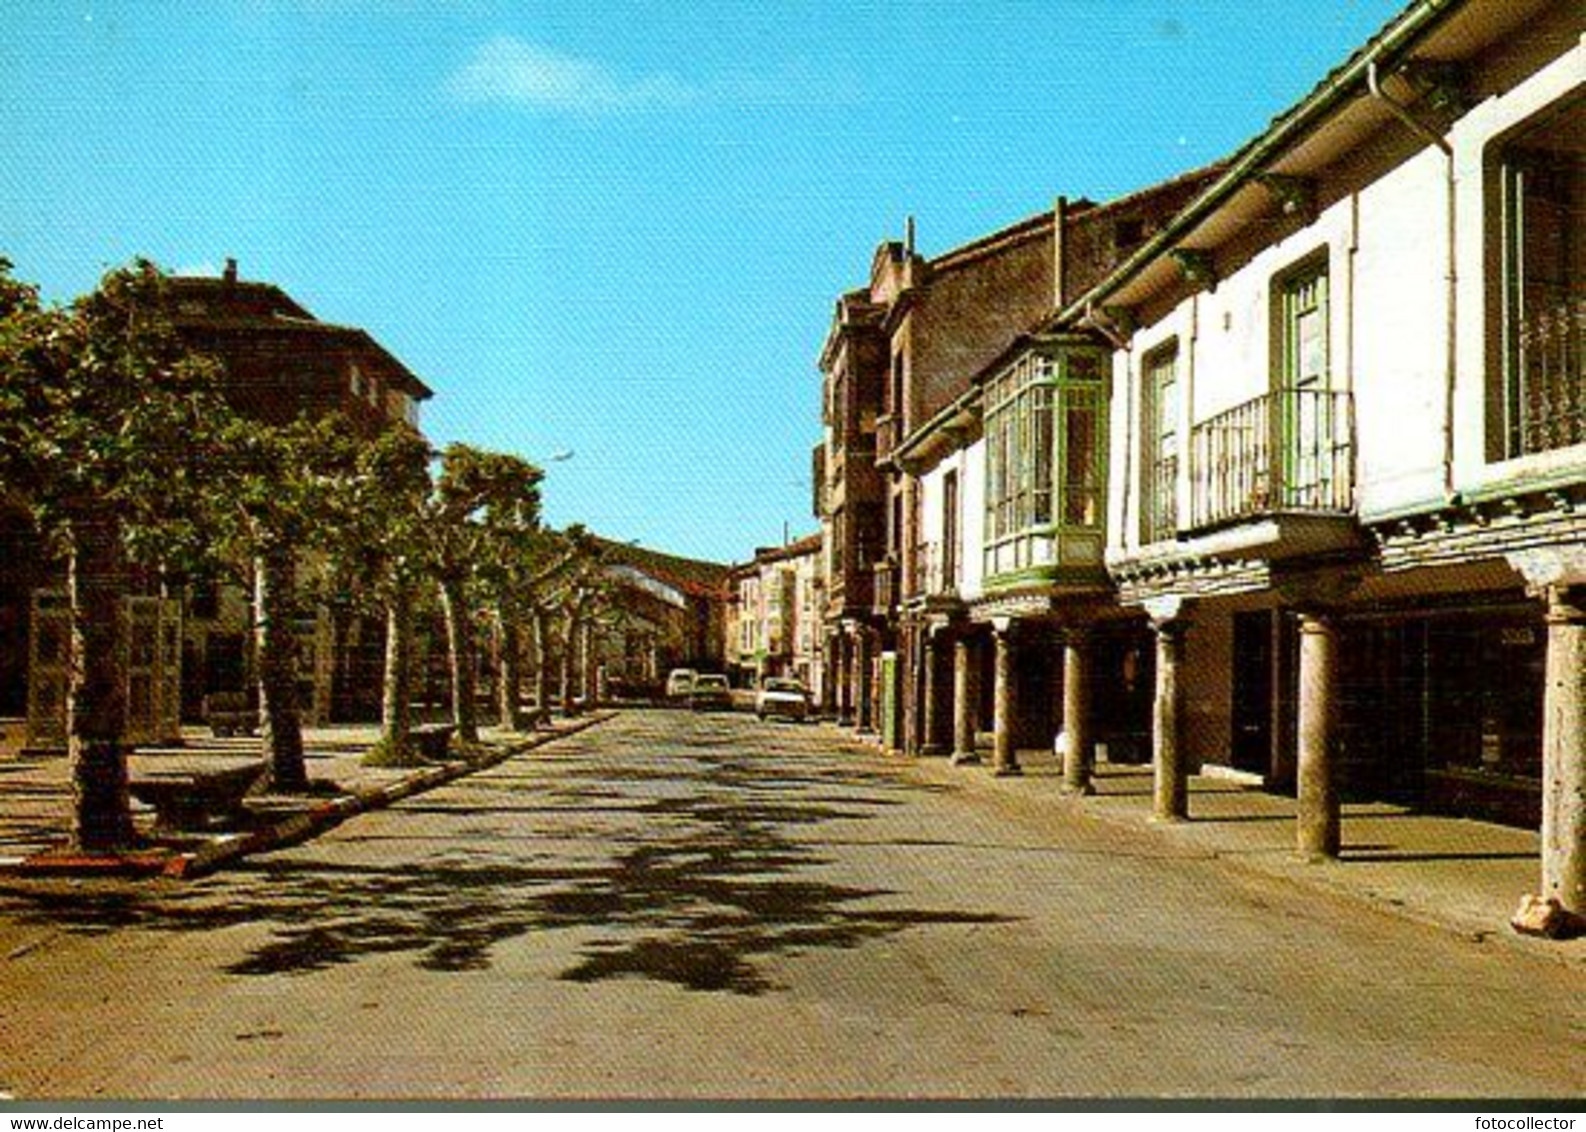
x: 1123, y: 692
x: 1252, y: 692
x: 225, y: 666
x: 1038, y: 688
x: 1384, y: 709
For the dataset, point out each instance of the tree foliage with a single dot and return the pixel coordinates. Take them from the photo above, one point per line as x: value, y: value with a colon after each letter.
x: 484, y: 510
x: 272, y: 502
x: 105, y: 421
x: 380, y: 559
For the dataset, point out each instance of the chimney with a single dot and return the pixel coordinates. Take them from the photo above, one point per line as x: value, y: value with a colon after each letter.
x: 908, y: 235
x: 230, y: 275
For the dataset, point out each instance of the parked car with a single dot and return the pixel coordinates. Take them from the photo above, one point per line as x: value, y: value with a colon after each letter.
x: 679, y: 683
x: 782, y: 696
x: 710, y: 691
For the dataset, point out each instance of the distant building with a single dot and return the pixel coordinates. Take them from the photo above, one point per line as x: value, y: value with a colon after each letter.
x: 905, y: 368
x: 282, y: 363
x: 776, y: 621
x: 667, y: 612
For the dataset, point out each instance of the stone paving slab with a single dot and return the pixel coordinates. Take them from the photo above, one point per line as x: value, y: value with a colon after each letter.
x: 35, y: 801
x: 1464, y: 875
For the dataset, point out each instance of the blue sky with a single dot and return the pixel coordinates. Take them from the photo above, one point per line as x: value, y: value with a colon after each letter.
x: 614, y: 229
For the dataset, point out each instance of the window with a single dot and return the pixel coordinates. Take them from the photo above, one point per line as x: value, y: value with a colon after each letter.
x: 1307, y: 413
x: 1046, y: 459
x: 1160, y: 460
x: 1081, y: 443
x: 950, y: 531
x: 1303, y: 296
x: 923, y: 582
x: 1541, y: 299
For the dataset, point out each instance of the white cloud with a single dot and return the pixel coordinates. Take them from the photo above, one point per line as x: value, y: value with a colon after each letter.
x: 510, y: 70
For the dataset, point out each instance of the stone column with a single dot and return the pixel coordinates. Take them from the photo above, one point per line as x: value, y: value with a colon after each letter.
x: 910, y: 645
x: 1171, y: 787
x: 1317, y: 835
x: 844, y: 651
x: 931, y: 694
x: 1564, y: 750
x: 1005, y: 759
x: 1077, y: 752
x: 830, y: 676
x: 864, y: 683
x: 966, y: 703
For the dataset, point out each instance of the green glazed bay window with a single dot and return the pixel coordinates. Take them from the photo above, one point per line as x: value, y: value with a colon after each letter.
x: 1046, y: 462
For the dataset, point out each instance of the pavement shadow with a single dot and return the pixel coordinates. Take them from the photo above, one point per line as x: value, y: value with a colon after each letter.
x: 1366, y: 855
x: 697, y: 873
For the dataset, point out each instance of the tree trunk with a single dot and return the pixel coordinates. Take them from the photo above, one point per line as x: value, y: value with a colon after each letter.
x: 542, y: 665
x: 96, y: 704
x: 397, y: 693
x: 281, y: 726
x: 509, y: 670
x: 569, y: 658
x: 591, y: 658
x: 460, y: 644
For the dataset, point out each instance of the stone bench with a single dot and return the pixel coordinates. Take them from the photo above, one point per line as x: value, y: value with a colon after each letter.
x: 433, y: 740
x: 196, y: 798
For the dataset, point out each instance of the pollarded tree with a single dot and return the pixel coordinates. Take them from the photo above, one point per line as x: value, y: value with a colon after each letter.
x: 272, y: 502
x: 382, y: 551
x: 583, y: 589
x: 104, y: 420
x: 521, y: 563
x: 482, y: 504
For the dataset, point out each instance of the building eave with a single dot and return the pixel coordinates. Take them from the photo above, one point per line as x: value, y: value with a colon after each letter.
x: 1343, y: 87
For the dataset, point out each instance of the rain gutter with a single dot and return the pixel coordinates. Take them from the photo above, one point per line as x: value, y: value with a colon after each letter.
x: 1398, y: 38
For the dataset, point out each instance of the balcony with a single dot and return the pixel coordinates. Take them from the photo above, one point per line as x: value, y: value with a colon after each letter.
x: 886, y: 577
x: 1270, y: 478
x: 933, y: 577
x: 1292, y: 450
x: 889, y: 434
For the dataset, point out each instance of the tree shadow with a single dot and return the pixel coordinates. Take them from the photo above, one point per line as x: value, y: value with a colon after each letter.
x: 697, y: 873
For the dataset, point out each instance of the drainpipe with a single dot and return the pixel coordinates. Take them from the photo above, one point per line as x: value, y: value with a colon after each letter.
x: 1451, y: 361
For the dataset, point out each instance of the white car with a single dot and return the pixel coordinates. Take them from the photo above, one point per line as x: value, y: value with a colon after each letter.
x: 680, y: 683
x: 784, y: 697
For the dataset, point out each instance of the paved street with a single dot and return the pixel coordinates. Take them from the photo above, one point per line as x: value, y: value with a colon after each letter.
x: 679, y: 905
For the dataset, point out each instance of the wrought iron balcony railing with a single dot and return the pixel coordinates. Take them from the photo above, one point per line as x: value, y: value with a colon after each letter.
x: 886, y: 575
x: 1159, y: 517
x: 1550, y: 398
x: 1288, y: 450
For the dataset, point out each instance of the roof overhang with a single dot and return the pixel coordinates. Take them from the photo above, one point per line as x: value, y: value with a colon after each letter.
x: 1337, y: 116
